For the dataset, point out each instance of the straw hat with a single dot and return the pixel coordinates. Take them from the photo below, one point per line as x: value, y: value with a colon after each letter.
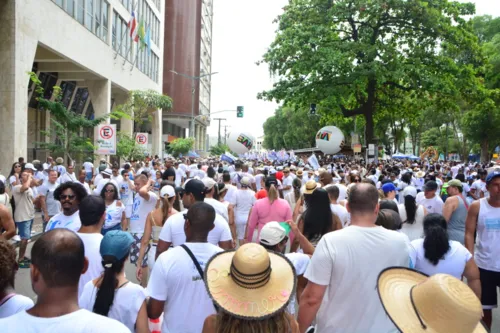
x: 311, y: 186
x: 251, y: 282
x: 420, y: 174
x: 417, y: 303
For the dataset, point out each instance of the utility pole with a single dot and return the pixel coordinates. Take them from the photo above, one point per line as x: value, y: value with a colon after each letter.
x: 225, y: 133
x: 219, y: 119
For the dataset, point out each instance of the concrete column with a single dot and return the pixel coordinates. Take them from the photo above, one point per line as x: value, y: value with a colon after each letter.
x: 203, y: 138
x: 157, y: 130
x: 100, y: 94
x: 17, y: 53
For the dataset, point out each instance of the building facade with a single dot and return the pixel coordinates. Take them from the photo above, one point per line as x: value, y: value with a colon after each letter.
x: 84, y: 47
x: 187, y: 58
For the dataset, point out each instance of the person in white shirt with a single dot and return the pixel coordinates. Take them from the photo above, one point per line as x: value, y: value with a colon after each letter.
x: 336, y: 296
x: 243, y: 201
x: 49, y: 163
x: 89, y: 170
x: 478, y: 189
x: 219, y: 207
x: 106, y: 178
x: 69, y: 195
x: 430, y: 199
x: 127, y: 195
x: 173, y: 232
x: 60, y: 167
x: 82, y: 180
x: 49, y: 205
x: 115, y: 175
x: 115, y: 209
x: 69, y: 175
x: 231, y: 189
x: 112, y: 294
x: 10, y: 302
x: 389, y: 190
x: 92, y: 214
x: 58, y: 260
x: 287, y: 182
x: 180, y: 174
x: 177, y: 280
x: 337, y: 209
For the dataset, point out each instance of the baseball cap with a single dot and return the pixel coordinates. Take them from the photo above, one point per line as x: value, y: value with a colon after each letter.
x: 455, y: 183
x: 245, y: 181
x: 271, y: 181
x: 430, y: 186
x: 492, y: 175
x: 116, y: 243
x: 30, y: 166
x: 388, y: 187
x: 194, y: 186
x: 167, y: 191
x: 410, y: 190
x: 272, y: 233
x: 209, y: 182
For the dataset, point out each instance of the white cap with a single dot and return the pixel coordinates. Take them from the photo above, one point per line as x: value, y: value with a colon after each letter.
x: 168, y: 191
x: 272, y: 233
x: 272, y: 171
x: 30, y: 166
x: 245, y: 181
x: 410, y: 190
x: 209, y: 182
x: 107, y: 171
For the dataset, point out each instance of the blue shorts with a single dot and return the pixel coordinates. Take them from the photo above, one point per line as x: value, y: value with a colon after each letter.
x: 88, y: 177
x: 115, y: 227
x: 24, y: 229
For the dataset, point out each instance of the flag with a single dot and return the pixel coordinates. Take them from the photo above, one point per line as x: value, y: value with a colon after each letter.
x: 141, y: 33
x: 226, y: 158
x: 313, y: 161
x: 228, y: 154
x: 132, y: 24
x: 148, y: 40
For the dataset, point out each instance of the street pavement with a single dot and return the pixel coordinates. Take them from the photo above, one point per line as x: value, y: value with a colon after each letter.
x: 23, y: 284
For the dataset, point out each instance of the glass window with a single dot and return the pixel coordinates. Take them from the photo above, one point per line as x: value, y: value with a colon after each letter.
x: 97, y: 19
x: 70, y: 7
x: 59, y: 3
x: 80, y: 100
x: 67, y: 88
x: 113, y: 31
x: 89, y: 4
x: 80, y: 11
x: 105, y: 12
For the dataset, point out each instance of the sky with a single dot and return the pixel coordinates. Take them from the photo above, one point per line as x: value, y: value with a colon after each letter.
x: 242, y: 31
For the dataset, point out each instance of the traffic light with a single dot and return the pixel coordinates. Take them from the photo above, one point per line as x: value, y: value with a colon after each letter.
x: 312, y: 110
x: 239, y: 111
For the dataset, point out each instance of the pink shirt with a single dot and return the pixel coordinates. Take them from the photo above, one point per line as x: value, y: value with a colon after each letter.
x: 263, y: 212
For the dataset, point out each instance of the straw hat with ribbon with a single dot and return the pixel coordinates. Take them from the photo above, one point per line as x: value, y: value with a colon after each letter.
x: 417, y: 303
x: 311, y: 186
x: 251, y: 282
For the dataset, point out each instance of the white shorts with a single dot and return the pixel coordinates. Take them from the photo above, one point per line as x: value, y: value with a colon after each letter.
x: 240, y: 230
x: 151, y: 256
x: 128, y: 211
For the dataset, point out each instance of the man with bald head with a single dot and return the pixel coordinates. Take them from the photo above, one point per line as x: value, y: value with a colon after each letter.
x: 336, y: 296
x: 57, y: 261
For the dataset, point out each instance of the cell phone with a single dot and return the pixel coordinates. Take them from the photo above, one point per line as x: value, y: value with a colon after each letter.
x: 286, y: 226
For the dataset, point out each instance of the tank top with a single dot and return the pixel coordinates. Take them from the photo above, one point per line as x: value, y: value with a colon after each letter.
x: 456, y: 224
x: 488, y: 237
x: 155, y: 230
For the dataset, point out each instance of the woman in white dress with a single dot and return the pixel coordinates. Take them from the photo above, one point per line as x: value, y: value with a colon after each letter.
x: 412, y: 214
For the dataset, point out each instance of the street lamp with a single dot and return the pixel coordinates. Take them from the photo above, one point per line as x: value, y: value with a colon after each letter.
x: 193, y: 90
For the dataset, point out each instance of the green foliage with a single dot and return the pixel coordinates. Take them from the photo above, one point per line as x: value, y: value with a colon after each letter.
x: 346, y: 56
x: 181, y: 146
x: 127, y: 148
x: 141, y: 103
x: 290, y: 129
x: 218, y: 150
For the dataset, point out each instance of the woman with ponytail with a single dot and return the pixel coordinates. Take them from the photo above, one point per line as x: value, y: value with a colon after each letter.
x: 112, y: 295
x: 268, y: 209
x: 435, y: 253
x: 412, y: 214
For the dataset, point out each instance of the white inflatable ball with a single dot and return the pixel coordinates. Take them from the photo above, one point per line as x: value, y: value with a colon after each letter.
x: 240, y: 142
x: 330, y: 140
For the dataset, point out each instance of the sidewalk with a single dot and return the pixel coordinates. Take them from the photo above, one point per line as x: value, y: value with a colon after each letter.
x: 36, y: 230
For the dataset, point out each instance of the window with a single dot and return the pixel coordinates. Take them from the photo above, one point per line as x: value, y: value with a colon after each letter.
x: 59, y: 3
x: 67, y: 89
x: 97, y: 19
x: 114, y: 39
x: 80, y: 11
x: 70, y: 7
x: 105, y: 13
x: 80, y: 100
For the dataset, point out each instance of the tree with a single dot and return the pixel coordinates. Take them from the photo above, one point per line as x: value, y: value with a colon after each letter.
x: 220, y: 149
x: 66, y: 126
x: 140, y: 103
x: 181, y: 146
x: 343, y: 55
x: 127, y: 148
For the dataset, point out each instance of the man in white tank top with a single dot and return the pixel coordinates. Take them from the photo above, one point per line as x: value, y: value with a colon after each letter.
x: 485, y: 213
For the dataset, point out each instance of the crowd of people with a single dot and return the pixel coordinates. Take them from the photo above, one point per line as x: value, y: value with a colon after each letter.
x: 251, y: 246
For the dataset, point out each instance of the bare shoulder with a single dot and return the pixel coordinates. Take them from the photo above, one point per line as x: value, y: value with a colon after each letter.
x: 118, y: 203
x: 293, y: 323
x: 209, y: 324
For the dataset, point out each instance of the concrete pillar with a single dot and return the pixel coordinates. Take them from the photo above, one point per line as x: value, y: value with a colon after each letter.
x: 157, y: 130
x: 203, y: 138
x: 100, y: 94
x: 17, y: 53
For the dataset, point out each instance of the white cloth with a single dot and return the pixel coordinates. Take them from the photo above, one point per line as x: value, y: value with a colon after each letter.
x: 349, y: 261
x: 102, y: 183
x: 413, y: 230
x: 176, y: 281
x: 480, y: 186
x: 287, y: 181
x: 433, y: 205
x: 126, y: 303
x: 173, y: 230
x: 179, y: 174
x: 86, y: 186
x: 243, y: 202
x: 3, y: 179
x: 113, y: 215
x: 88, y: 167
x: 219, y: 207
x: 488, y: 237
x: 47, y: 190
x: 67, y: 177
x: 15, y: 304
x: 24, y: 204
x: 258, y: 179
x: 81, y: 321
x: 92, y: 244
x: 453, y: 263
x: 118, y: 179
x: 231, y: 190
x: 140, y: 210
x: 341, y: 212
x: 300, y: 262
x: 342, y: 192
x: 60, y: 220
x: 127, y: 195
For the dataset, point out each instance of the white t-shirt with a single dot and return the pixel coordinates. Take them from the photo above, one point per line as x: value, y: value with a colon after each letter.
x: 173, y: 230
x: 24, y: 204
x: 179, y: 174
x: 454, y: 170
x: 434, y: 205
x: 60, y: 220
x: 287, y: 181
x: 86, y: 186
x: 453, y: 263
x: 113, y: 215
x: 47, y: 190
x: 92, y: 243
x: 349, y: 261
x: 118, y: 179
x: 88, y: 167
x: 127, y: 196
x: 300, y: 261
x: 103, y: 182
x: 67, y: 177
x: 231, y: 190
x: 126, y: 303
x: 243, y: 202
x: 342, y: 192
x: 258, y: 179
x: 176, y: 281
x: 15, y: 304
x: 488, y: 237
x: 341, y: 212
x: 219, y: 207
x: 81, y: 321
x: 98, y: 179
x: 3, y: 179
x: 140, y: 210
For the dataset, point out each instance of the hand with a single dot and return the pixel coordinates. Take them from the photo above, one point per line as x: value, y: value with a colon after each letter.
x: 138, y: 273
x: 46, y: 218
x: 294, y: 227
x: 234, y: 243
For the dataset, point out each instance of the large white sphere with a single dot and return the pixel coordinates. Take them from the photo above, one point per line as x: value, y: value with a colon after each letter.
x: 240, y: 142
x: 329, y: 140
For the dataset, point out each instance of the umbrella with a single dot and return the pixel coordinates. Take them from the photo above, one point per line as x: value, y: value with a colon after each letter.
x: 413, y: 157
x: 399, y: 156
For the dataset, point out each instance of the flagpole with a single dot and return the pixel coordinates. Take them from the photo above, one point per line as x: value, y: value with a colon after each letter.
x: 134, y: 7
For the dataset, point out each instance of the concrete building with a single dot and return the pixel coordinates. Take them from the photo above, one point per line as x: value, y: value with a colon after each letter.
x: 82, y: 46
x: 188, y: 51
x: 259, y: 143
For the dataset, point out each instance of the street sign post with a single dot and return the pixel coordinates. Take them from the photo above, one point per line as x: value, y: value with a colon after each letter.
x: 106, y: 139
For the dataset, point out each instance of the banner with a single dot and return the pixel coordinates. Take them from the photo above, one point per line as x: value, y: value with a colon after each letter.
x: 313, y: 161
x: 106, y: 139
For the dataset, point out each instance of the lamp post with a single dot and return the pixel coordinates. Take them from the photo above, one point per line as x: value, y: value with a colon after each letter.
x: 193, y: 90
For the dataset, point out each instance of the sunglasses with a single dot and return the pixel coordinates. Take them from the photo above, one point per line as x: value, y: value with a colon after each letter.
x: 357, y: 180
x: 70, y: 197
x: 17, y: 166
x: 109, y: 191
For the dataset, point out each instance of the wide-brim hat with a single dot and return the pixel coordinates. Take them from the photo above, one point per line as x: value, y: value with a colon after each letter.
x: 310, y: 187
x: 251, y: 282
x: 417, y: 303
x: 420, y: 174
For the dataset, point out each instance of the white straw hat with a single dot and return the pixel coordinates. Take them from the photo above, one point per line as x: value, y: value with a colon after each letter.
x: 417, y: 303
